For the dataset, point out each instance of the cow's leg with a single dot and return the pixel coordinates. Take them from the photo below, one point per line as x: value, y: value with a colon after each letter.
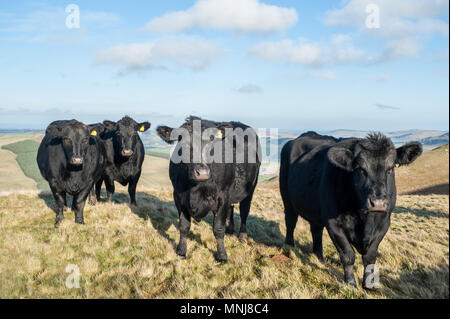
x: 317, y: 232
x: 98, y: 188
x: 60, y: 200
x: 92, y: 198
x: 244, y: 208
x: 371, y: 274
x: 219, y: 231
x: 78, y: 206
x: 184, y: 227
x: 66, y: 207
x: 290, y: 218
x: 229, y: 229
x: 132, y: 191
x: 110, y: 188
x: 345, y: 250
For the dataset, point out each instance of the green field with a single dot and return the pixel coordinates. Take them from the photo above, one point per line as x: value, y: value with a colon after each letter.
x: 160, y: 152
x: 26, y: 152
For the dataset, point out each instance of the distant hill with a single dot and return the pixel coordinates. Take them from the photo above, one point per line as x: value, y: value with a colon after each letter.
x: 429, y: 174
x: 428, y: 137
x: 436, y: 140
x: 10, y: 131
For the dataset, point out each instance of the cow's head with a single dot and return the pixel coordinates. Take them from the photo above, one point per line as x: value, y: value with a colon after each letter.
x: 125, y: 134
x: 75, y: 138
x: 195, y: 136
x: 372, y: 161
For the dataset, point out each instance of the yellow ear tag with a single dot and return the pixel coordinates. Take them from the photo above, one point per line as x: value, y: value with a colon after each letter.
x: 94, y: 133
x: 219, y: 134
x: 142, y: 129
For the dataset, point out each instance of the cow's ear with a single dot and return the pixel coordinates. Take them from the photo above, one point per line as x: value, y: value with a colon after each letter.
x: 341, y: 157
x: 408, y: 153
x: 53, y: 130
x: 164, y: 132
x: 142, y: 127
x: 110, y: 125
x: 96, y: 129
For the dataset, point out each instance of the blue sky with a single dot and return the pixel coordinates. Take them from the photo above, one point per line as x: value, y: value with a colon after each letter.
x: 303, y: 65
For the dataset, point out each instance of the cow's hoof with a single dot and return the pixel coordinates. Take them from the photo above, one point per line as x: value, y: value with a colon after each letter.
x: 79, y: 221
x: 229, y: 231
x: 243, y: 236
x: 371, y: 287
x: 351, y: 282
x: 320, y: 257
x: 222, y: 257
x: 134, y: 205
x: 58, y: 222
x: 181, y: 252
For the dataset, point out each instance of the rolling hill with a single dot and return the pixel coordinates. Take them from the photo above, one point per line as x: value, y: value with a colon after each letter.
x: 129, y: 253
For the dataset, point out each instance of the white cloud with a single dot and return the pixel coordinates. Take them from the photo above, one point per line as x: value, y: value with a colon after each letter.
x: 322, y: 74
x: 403, y: 24
x: 236, y: 15
x: 250, y: 89
x: 193, y: 54
x: 303, y: 52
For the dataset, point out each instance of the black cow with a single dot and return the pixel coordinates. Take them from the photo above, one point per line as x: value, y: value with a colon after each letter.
x: 347, y: 186
x: 124, y: 156
x: 96, y: 133
x: 204, y: 185
x: 71, y: 160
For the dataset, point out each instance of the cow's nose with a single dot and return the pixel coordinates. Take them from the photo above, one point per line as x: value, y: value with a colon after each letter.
x: 127, y: 153
x: 201, y: 173
x: 377, y: 204
x: 77, y: 160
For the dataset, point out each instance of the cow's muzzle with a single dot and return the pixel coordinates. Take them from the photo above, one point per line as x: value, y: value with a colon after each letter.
x: 377, y: 205
x: 76, y: 161
x: 201, y: 173
x: 127, y: 153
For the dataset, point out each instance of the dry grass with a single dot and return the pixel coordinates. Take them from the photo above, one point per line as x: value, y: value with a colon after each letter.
x: 130, y: 254
x: 429, y: 174
x: 124, y: 253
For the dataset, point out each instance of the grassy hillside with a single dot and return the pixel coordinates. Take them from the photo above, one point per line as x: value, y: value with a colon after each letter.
x: 18, y: 157
x: 26, y: 152
x: 161, y: 152
x: 429, y: 174
x: 123, y: 253
x: 129, y: 253
x: 12, y: 177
